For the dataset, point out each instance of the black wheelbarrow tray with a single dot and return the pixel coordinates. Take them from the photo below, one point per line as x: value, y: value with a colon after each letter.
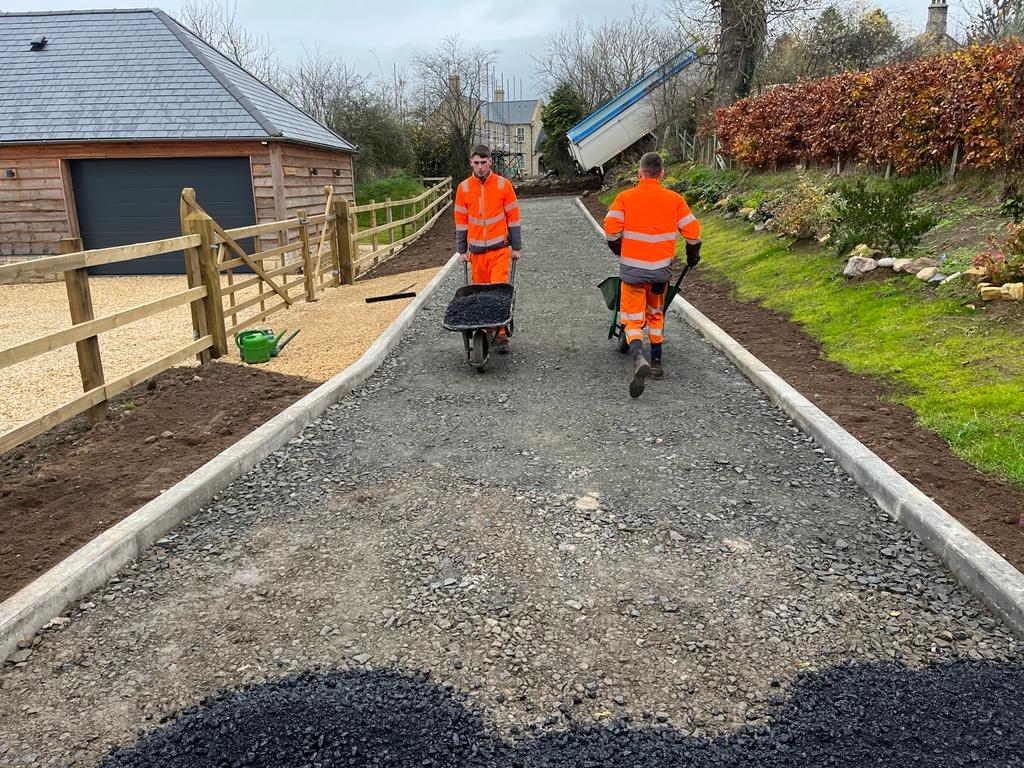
x: 611, y: 290
x: 479, y: 338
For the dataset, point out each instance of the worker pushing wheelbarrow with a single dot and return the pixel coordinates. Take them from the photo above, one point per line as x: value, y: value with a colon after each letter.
x: 641, y: 228
x: 489, y: 240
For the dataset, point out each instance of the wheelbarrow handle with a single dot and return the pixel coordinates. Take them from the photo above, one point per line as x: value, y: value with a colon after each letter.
x: 512, y: 272
x: 465, y: 272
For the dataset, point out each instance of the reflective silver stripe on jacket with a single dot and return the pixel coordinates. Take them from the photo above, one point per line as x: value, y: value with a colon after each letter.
x: 686, y: 220
x: 613, y: 238
x: 511, y: 206
x: 487, y: 222
x: 645, y: 238
x: 631, y: 315
x: 692, y: 241
x: 501, y: 182
x: 461, y: 227
x: 615, y: 215
x: 465, y: 186
x: 460, y: 209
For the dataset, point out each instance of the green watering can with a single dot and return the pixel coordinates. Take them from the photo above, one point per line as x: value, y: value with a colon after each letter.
x: 260, y: 346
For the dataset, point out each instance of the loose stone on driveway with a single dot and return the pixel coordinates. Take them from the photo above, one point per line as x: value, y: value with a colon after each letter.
x: 530, y: 535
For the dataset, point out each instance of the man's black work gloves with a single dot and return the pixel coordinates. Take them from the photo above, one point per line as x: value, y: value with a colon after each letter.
x: 615, y: 246
x: 692, y: 253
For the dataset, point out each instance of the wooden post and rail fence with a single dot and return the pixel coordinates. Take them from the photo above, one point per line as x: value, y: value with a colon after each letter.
x: 307, y: 253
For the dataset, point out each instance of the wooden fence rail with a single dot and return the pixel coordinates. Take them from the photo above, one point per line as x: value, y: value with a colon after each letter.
x: 426, y: 209
x: 85, y: 329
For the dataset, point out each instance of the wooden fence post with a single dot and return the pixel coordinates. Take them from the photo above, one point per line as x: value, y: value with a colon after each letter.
x: 345, y: 249
x: 307, y: 262
x: 193, y: 276
x: 198, y: 223
x: 373, y: 226
x: 391, y: 219
x: 90, y: 365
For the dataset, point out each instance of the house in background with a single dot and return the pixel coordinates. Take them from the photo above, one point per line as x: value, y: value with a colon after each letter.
x: 106, y: 115
x: 512, y: 129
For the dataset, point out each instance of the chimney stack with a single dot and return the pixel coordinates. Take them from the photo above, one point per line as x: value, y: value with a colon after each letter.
x: 937, y: 12
x: 499, y: 94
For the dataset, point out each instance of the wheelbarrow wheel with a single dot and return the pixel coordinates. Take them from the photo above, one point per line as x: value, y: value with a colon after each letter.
x: 623, y: 344
x: 479, y: 354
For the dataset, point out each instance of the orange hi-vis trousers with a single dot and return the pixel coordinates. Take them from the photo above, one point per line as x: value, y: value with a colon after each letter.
x: 639, y: 305
x: 491, y: 267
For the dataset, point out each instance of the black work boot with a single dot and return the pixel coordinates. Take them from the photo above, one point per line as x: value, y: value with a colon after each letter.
x: 641, y: 370
x: 657, y: 372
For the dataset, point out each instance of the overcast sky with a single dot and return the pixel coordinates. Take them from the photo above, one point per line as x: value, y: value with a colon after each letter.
x: 376, y: 35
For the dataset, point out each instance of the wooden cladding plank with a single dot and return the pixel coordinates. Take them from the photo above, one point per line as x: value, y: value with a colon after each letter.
x: 28, y: 430
x: 85, y: 259
x: 84, y: 330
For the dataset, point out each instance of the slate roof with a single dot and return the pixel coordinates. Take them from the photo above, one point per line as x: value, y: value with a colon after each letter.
x: 134, y: 75
x: 509, y: 112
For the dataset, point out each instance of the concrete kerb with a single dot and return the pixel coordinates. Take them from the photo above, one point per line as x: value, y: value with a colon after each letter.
x: 976, y: 565
x: 25, y: 612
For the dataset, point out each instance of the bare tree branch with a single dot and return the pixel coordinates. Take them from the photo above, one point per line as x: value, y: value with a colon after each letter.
x: 216, y: 22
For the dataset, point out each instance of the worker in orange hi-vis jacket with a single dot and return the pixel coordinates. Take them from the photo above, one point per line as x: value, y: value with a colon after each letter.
x: 487, y: 230
x: 641, y: 228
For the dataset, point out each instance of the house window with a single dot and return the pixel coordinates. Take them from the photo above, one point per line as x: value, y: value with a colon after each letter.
x: 520, y: 135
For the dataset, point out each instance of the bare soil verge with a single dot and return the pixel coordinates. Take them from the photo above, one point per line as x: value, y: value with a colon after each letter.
x: 986, y: 505
x: 63, y: 488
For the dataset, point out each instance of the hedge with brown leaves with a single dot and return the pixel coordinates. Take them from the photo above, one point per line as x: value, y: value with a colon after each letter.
x: 910, y: 114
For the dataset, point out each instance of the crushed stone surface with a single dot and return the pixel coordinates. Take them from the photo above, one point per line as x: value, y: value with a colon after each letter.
x: 561, y: 555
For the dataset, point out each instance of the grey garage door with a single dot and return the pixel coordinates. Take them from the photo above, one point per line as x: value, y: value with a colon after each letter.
x: 126, y: 201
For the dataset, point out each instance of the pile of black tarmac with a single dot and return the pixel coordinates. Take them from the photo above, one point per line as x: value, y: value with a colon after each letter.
x: 491, y: 307
x: 877, y: 715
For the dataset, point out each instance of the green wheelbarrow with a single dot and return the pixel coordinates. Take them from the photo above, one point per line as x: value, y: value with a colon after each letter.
x: 611, y: 289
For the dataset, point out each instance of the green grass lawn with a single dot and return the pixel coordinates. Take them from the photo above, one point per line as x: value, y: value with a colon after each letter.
x: 960, y: 370
x: 395, y: 187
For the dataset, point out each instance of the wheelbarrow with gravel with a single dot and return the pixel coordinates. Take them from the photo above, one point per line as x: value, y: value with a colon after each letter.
x: 611, y: 290
x: 480, y: 312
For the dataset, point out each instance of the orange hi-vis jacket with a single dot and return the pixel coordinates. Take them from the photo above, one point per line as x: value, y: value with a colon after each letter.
x: 648, y: 218
x: 486, y: 215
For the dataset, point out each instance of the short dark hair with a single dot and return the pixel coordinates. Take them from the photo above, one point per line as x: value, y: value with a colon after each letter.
x: 480, y: 150
x: 651, y: 164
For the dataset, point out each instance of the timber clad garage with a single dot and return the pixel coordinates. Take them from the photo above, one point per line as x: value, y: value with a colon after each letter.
x: 106, y: 115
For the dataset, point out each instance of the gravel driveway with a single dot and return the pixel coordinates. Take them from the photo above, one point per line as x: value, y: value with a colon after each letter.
x: 529, y: 535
